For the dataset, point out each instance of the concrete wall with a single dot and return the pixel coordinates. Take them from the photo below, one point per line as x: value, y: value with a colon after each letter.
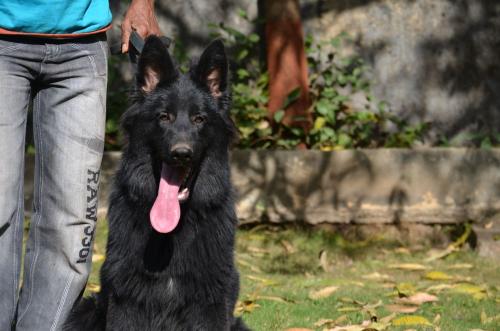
x: 432, y: 60
x: 383, y: 186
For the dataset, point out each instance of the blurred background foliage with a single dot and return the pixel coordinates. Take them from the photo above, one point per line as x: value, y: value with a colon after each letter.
x: 344, y: 111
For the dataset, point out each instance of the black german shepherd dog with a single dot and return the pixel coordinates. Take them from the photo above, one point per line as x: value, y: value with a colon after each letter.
x: 169, y: 260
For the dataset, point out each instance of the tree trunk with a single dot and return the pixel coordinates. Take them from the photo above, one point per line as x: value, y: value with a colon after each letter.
x: 286, y: 61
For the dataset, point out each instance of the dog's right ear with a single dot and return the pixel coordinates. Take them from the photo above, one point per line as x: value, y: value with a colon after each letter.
x: 155, y: 65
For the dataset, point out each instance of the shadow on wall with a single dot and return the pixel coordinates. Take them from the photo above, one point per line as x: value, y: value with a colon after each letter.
x: 433, y: 60
x: 434, y: 186
x: 466, y: 64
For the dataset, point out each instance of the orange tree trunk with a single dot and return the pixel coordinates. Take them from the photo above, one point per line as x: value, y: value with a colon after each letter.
x: 286, y: 61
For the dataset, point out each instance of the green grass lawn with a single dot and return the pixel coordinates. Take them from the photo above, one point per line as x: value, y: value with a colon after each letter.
x: 312, y: 279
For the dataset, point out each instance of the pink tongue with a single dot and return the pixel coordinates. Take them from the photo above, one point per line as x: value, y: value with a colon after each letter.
x: 166, y: 210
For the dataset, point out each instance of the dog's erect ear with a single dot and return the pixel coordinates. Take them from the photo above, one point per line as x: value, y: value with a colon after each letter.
x: 155, y: 65
x: 212, y: 68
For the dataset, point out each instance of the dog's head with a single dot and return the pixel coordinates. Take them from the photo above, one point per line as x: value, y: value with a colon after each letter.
x: 180, y: 118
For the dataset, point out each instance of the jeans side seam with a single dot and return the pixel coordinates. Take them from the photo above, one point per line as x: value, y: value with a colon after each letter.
x: 40, y: 213
x: 61, y: 303
x: 18, y: 221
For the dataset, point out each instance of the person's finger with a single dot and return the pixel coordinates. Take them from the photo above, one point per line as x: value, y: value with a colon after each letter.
x: 126, y: 30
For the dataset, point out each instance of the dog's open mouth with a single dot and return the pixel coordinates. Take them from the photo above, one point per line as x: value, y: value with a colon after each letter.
x: 173, y: 190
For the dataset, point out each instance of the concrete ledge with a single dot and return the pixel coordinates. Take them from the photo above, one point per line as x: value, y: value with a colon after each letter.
x: 379, y: 186
x: 435, y: 186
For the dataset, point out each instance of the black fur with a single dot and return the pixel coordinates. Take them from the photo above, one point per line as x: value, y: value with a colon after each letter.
x: 184, y: 280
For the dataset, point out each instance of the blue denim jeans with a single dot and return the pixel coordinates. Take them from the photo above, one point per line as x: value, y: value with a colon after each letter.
x: 66, y: 82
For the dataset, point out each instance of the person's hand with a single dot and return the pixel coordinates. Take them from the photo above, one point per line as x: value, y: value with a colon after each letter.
x: 140, y: 17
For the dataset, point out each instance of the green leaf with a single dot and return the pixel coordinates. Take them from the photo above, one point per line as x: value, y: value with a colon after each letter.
x: 486, y: 143
x: 323, y: 106
x: 319, y: 123
x: 242, y: 13
x: 344, y: 140
x: 292, y: 97
x: 298, y: 132
x: 342, y: 79
x: 335, y: 42
x: 278, y: 116
x: 254, y: 38
x: 242, y: 73
x: 242, y: 54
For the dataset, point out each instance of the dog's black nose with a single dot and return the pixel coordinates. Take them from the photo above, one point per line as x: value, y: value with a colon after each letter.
x: 182, y: 154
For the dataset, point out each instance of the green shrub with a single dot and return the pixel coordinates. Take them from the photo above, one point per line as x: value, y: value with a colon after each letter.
x: 334, y: 80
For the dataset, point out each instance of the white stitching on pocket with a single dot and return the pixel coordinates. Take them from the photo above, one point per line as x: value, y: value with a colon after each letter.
x: 89, y: 56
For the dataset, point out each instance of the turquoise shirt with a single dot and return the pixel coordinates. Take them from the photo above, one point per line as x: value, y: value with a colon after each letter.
x: 54, y: 16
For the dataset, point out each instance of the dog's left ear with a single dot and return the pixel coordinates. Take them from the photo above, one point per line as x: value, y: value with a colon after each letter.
x: 212, y: 68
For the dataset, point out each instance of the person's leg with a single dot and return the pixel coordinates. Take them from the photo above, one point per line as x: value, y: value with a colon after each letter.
x: 69, y: 118
x: 16, y: 71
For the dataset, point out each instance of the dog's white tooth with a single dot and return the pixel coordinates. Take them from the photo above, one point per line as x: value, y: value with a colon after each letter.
x: 183, y: 195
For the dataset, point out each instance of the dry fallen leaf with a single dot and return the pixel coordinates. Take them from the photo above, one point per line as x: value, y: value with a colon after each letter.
x: 436, y: 254
x: 387, y: 318
x: 341, y: 319
x: 418, y: 299
x: 349, y: 309
x: 348, y: 328
x: 273, y: 298
x: 264, y: 281
x: 350, y: 300
x: 437, y: 275
x: 365, y: 326
x: 323, y: 293
x: 484, y: 317
x: 401, y: 309
x: 248, y: 265
x: 93, y: 287
x: 376, y: 276
x: 408, y: 266
x: 324, y: 262
x: 258, y: 250
x: 245, y: 306
x: 97, y: 257
x: 402, y: 250
x: 487, y: 320
x: 405, y: 289
x: 475, y: 291
x: 324, y: 322
x: 411, y: 320
x: 289, y: 248
x: 440, y: 287
x: 373, y: 305
x: 461, y: 266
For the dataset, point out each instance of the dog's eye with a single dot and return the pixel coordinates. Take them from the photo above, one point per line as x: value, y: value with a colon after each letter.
x: 198, y: 119
x: 167, y: 117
